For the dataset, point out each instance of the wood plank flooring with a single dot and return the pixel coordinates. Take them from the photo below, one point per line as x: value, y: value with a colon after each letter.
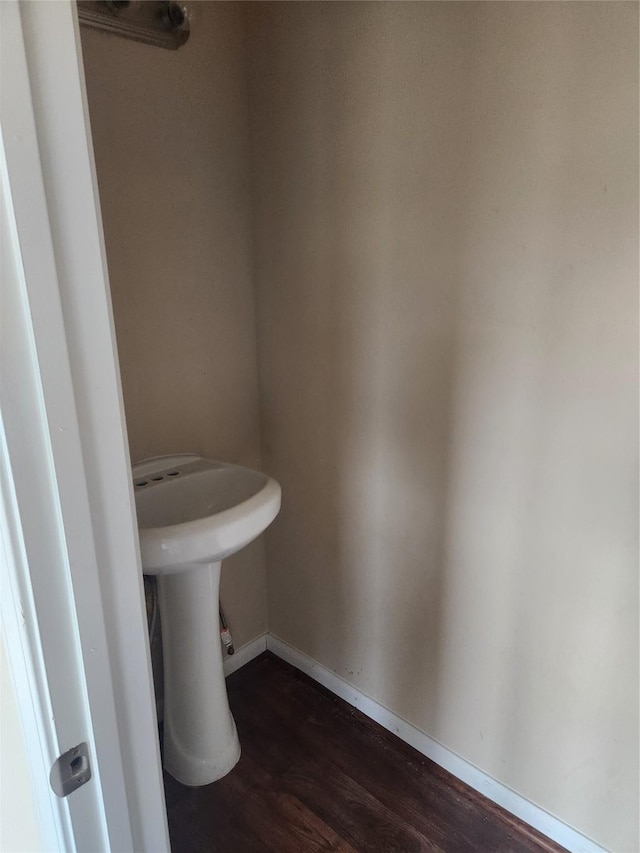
x: 317, y: 775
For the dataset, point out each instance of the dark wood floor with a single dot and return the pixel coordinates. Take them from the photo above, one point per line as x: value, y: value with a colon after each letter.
x: 317, y: 775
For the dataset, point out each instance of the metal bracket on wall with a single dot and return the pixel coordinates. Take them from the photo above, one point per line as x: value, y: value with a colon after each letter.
x: 158, y: 22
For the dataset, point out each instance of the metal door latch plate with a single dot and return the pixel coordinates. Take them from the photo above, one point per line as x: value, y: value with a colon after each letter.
x: 71, y: 770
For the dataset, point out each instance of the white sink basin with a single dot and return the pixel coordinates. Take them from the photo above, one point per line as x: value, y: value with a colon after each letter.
x: 192, y: 513
x: 191, y: 510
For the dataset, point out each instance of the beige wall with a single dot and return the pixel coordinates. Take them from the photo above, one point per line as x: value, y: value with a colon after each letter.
x: 445, y: 256
x: 170, y: 135
x: 446, y: 262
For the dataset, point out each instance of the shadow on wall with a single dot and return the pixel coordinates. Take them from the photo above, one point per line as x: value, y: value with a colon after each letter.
x: 446, y: 250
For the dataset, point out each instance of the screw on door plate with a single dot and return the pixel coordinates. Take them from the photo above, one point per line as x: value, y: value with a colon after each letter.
x: 71, y: 770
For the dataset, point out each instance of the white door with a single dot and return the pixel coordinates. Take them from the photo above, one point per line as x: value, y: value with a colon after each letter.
x: 73, y: 618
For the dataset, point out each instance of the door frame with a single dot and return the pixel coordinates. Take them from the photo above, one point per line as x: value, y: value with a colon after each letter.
x: 73, y: 610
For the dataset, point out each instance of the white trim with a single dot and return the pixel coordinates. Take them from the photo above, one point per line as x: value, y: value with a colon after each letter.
x: 67, y: 443
x: 491, y: 788
x: 62, y: 117
x: 245, y: 654
x: 26, y: 665
x: 44, y: 464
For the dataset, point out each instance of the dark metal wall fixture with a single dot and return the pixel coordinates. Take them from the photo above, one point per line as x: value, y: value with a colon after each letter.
x: 157, y: 22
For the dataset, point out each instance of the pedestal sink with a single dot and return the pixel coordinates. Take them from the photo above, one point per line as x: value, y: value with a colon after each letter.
x: 192, y: 513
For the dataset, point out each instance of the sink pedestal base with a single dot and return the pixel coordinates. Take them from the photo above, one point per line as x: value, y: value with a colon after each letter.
x: 200, y: 738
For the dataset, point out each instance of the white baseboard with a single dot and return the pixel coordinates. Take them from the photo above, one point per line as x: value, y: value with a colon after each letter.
x: 495, y: 791
x: 244, y: 654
